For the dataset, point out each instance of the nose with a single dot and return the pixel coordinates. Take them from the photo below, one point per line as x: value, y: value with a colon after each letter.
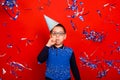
x: 57, y: 35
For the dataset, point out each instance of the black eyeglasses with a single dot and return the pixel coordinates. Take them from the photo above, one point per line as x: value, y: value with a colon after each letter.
x: 58, y: 33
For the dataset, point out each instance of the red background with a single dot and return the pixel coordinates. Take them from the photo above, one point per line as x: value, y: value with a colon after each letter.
x: 32, y: 25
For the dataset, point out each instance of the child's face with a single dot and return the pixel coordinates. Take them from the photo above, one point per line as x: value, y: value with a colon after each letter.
x: 59, y: 35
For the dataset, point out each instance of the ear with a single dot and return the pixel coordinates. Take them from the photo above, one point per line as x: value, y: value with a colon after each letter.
x: 65, y: 36
x: 50, y: 35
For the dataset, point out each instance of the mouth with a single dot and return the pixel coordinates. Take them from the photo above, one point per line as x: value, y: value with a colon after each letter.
x: 57, y: 40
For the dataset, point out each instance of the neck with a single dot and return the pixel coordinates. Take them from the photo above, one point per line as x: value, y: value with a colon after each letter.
x: 58, y: 45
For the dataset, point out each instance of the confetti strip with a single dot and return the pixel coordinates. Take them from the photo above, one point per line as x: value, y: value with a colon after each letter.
x: 2, y: 55
x: 93, y: 35
x: 10, y: 5
x: 3, y: 71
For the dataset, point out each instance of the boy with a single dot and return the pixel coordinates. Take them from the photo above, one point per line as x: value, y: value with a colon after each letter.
x: 59, y: 59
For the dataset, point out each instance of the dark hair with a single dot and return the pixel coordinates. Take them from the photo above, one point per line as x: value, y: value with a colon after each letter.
x: 58, y: 25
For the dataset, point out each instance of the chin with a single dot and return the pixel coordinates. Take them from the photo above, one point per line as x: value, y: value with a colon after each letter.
x: 58, y: 44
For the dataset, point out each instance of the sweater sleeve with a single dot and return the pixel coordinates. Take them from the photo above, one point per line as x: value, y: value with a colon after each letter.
x: 43, y: 55
x: 74, y: 67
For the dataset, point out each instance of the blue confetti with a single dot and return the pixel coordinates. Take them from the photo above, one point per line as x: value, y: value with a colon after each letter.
x: 9, y: 45
x: 73, y: 6
x: 109, y: 63
x: 10, y: 5
x: 118, y: 49
x: 88, y: 63
x: 74, y: 1
x: 83, y: 60
x: 96, y: 63
x: 99, y: 13
x: 73, y: 25
x: 13, y: 72
x: 81, y: 18
x: 91, y: 65
x: 118, y: 71
x: 81, y: 3
x: 93, y: 35
x: 29, y: 42
x: 16, y: 16
x: 18, y: 66
x: 102, y: 73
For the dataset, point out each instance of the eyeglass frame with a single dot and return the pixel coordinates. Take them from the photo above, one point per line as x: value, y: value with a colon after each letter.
x: 58, y: 33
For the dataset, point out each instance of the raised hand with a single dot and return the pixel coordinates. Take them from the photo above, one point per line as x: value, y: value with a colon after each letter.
x: 51, y: 41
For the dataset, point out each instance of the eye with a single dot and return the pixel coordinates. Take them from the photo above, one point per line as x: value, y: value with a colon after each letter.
x: 58, y: 33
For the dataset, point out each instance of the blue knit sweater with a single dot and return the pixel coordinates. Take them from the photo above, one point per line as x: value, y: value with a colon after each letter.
x: 58, y: 63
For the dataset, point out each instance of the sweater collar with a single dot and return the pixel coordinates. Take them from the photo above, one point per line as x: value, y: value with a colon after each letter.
x: 58, y: 47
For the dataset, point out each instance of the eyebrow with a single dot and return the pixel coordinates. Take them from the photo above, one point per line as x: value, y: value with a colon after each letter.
x: 56, y: 31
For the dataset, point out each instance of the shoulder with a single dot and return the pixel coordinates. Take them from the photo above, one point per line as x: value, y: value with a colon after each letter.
x: 68, y: 49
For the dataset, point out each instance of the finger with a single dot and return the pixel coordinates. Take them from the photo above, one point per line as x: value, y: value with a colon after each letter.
x: 53, y: 39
